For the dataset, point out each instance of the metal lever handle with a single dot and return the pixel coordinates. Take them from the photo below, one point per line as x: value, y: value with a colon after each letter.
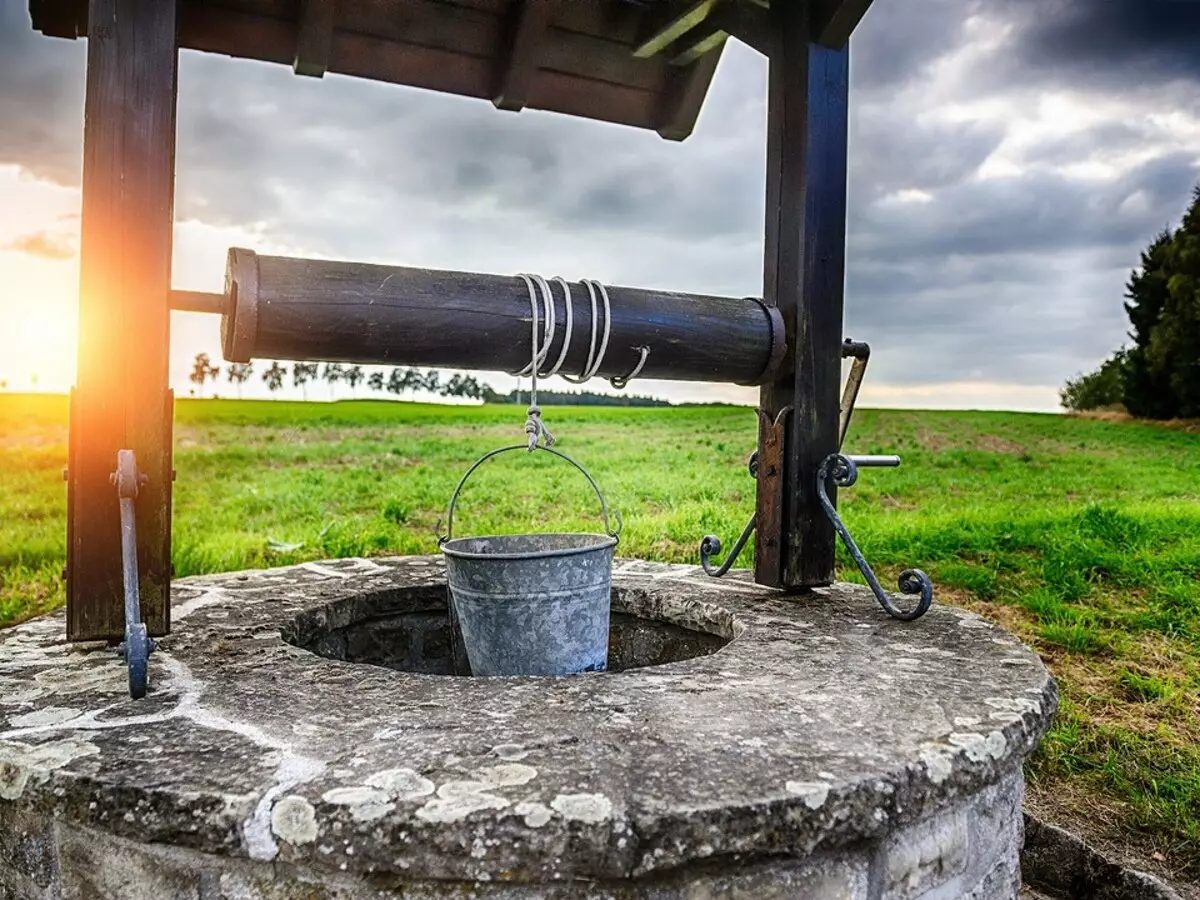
x: 843, y: 470
x: 137, y: 645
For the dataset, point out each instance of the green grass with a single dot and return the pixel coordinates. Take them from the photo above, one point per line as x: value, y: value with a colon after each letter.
x: 1081, y: 535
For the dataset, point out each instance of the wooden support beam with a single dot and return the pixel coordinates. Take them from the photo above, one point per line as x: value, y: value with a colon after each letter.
x: 833, y: 21
x: 686, y: 88
x: 530, y: 24
x: 668, y: 24
x: 121, y: 399
x: 315, y: 37
x: 808, y: 88
x: 749, y: 24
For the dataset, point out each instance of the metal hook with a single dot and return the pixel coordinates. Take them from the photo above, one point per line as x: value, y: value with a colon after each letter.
x: 843, y: 470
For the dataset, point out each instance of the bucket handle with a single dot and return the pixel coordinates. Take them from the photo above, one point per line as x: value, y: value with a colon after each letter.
x: 603, y: 505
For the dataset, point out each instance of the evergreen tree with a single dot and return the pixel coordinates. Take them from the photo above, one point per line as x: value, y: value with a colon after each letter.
x: 1147, y: 390
x: 1175, y: 343
x: 1160, y: 373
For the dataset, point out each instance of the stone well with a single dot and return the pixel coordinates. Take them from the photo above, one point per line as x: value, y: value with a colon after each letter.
x: 305, y: 737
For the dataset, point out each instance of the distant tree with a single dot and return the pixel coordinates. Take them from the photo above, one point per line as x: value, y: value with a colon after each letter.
x: 375, y: 381
x: 274, y: 377
x: 3, y: 384
x: 302, y: 374
x: 202, y: 370
x: 431, y: 380
x: 408, y: 380
x: 473, y: 389
x: 1102, y: 389
x: 453, y: 387
x: 396, y: 383
x: 353, y: 376
x: 239, y: 374
x: 333, y: 374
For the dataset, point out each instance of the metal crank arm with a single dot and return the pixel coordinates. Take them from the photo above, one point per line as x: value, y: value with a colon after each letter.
x: 137, y: 646
x: 843, y: 470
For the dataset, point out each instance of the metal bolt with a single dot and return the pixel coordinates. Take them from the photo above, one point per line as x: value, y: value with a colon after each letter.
x: 64, y: 473
x: 174, y: 474
x: 112, y: 479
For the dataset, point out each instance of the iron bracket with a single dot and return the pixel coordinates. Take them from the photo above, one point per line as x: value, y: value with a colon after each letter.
x: 137, y: 645
x: 843, y: 471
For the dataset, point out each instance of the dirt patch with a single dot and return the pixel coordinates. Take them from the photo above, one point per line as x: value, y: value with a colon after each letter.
x: 887, y: 501
x: 995, y: 444
x: 934, y: 441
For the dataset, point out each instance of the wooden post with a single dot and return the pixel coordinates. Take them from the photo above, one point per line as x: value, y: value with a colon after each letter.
x: 803, y: 276
x: 121, y: 398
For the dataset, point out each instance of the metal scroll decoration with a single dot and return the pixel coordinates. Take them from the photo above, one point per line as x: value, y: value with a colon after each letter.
x: 710, y: 546
x: 843, y: 471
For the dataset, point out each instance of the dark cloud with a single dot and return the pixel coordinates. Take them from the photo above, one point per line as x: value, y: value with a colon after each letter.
x: 1049, y: 213
x: 1106, y: 41
x: 43, y: 244
x: 41, y: 98
x: 897, y: 41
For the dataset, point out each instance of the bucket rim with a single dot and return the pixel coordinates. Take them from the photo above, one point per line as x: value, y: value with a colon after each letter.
x: 600, y: 542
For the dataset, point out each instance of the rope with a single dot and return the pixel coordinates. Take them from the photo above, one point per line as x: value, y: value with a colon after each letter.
x: 541, y: 294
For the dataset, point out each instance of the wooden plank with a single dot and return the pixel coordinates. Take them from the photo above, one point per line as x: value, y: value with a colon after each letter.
x: 617, y: 22
x: 121, y: 398
x: 315, y: 38
x: 803, y: 276
x: 427, y: 23
x: 440, y: 70
x: 600, y: 60
x: 685, y: 93
x: 663, y: 26
x: 833, y: 21
x: 518, y: 58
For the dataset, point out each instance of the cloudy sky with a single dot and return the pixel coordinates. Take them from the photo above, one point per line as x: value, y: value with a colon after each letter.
x: 1009, y: 160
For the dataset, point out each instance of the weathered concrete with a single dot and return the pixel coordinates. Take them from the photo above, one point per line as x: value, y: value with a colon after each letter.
x: 824, y: 751
x: 1062, y: 866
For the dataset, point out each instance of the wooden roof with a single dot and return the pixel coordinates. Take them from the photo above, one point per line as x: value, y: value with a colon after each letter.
x: 645, y: 63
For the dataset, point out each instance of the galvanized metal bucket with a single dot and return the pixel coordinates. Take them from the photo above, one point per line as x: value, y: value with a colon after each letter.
x: 532, y: 604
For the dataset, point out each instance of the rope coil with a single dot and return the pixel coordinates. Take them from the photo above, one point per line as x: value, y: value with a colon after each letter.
x: 542, y: 295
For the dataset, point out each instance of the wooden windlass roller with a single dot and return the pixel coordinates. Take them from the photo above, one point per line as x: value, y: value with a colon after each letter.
x: 281, y: 308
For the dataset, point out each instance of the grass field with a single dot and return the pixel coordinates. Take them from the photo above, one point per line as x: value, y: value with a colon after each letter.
x: 1081, y: 535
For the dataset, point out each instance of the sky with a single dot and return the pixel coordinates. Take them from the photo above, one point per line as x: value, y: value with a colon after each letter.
x: 1009, y: 160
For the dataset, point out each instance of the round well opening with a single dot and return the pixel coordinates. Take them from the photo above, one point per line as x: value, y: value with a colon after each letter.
x: 409, y: 630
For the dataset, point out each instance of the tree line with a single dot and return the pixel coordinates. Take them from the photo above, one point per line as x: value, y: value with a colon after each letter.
x: 397, y: 381
x: 1158, y: 377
